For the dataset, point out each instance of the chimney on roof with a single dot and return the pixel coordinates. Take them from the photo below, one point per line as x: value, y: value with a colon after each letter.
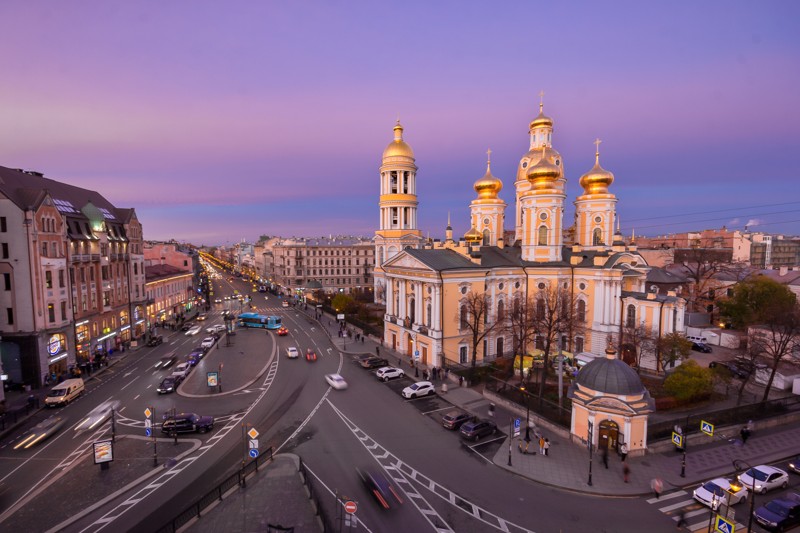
x: 783, y: 271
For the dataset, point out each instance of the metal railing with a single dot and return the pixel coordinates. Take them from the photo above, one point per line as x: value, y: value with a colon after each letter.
x: 551, y: 411
x: 312, y: 495
x: 217, y: 493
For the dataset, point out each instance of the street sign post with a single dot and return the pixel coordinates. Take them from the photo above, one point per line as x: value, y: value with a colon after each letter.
x: 149, y: 416
x: 723, y: 526
x: 517, y: 425
x: 253, y: 453
x: 707, y: 428
x: 416, y: 355
x: 350, y: 507
x: 677, y: 439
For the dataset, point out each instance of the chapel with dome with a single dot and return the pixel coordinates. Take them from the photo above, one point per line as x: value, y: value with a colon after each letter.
x: 426, y: 285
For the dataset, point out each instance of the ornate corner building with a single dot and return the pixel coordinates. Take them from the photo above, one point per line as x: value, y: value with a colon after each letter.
x: 425, y: 284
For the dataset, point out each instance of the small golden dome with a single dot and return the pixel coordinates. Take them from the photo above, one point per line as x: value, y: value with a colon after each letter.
x: 541, y: 119
x: 598, y: 179
x: 473, y: 235
x: 398, y: 147
x: 544, y: 173
x: 488, y: 187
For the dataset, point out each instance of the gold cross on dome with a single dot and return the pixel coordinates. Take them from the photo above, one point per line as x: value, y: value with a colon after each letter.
x: 597, y: 145
x: 488, y: 155
x: 541, y: 100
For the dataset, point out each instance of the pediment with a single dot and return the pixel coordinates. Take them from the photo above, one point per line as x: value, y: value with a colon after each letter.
x: 405, y: 261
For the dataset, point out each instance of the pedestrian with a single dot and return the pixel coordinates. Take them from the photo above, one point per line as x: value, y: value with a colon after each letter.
x: 425, y: 375
x: 745, y: 433
x: 377, y: 351
x: 657, y: 485
x: 460, y: 381
x: 362, y: 338
x: 546, y: 447
x: 623, y: 451
x: 541, y: 445
x: 446, y: 373
x: 681, y: 519
x: 626, y: 473
x: 605, y: 457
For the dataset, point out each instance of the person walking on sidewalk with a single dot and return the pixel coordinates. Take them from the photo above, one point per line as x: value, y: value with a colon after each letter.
x: 541, y: 445
x: 657, y: 485
x: 623, y: 451
x: 745, y: 433
x: 546, y: 447
x: 605, y: 457
x: 626, y: 473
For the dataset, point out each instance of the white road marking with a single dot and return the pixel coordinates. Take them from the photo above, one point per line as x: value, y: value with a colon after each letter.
x: 129, y: 383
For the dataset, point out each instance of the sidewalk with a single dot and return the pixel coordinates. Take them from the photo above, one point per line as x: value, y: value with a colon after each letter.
x: 568, y: 464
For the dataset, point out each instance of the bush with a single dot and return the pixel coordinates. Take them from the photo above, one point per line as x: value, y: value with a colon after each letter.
x: 689, y: 382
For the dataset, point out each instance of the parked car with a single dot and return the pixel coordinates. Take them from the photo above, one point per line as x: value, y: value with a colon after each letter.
x: 336, y: 381
x: 455, y: 419
x: 734, y: 367
x: 292, y: 353
x: 374, y: 362
x: 701, y: 347
x: 181, y: 371
x: 720, y: 491
x: 282, y: 331
x: 311, y: 355
x: 475, y: 429
x: 208, y: 343
x: 192, y: 359
x: 380, y: 488
x: 194, y: 330
x: 420, y: 388
x: 167, y: 385
x: 389, y: 372
x: 187, y: 423
x: 766, y: 478
x: 166, y: 362
x: 155, y: 340
x: 779, y: 514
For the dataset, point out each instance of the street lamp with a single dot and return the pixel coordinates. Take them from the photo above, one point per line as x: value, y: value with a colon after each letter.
x: 527, y: 414
x: 736, y: 463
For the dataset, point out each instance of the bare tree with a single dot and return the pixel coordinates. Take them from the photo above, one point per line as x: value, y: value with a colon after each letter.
x: 776, y: 338
x: 520, y: 326
x: 635, y: 341
x: 473, y: 317
x: 704, y: 267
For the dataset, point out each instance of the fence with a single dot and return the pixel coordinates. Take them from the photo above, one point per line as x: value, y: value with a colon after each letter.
x: 217, y: 493
x: 540, y: 406
x: 312, y: 495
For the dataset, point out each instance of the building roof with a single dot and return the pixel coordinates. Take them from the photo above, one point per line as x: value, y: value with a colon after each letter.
x: 441, y: 259
x: 662, y: 275
x: 612, y: 376
x: 156, y: 272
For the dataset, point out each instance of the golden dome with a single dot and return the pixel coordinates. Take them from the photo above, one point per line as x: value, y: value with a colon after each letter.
x: 398, y: 147
x: 544, y: 173
x: 598, y: 179
x: 488, y: 187
x: 473, y: 235
x: 541, y: 119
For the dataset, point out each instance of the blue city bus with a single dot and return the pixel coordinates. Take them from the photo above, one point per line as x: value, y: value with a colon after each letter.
x: 255, y: 320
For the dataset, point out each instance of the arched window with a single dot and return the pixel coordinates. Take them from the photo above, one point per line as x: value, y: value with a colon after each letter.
x: 540, y: 308
x: 499, y: 347
x: 486, y: 237
x: 578, y: 345
x: 542, y: 235
x: 428, y: 314
x: 581, y: 311
x: 516, y: 306
x: 412, y: 310
x: 501, y: 308
x: 630, y: 319
x: 597, y: 237
x: 463, y: 315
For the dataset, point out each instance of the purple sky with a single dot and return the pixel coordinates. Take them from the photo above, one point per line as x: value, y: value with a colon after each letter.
x: 219, y: 121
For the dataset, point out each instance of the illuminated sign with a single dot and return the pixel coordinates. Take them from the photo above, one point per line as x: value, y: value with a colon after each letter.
x: 103, y: 451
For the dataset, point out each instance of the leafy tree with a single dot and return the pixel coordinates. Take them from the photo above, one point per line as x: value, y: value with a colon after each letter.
x: 772, y: 315
x: 670, y: 348
x: 344, y: 303
x: 473, y: 317
x: 689, y: 381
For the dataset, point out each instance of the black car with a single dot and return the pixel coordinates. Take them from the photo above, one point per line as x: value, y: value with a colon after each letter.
x: 187, y: 423
x: 475, y: 429
x: 187, y: 326
x: 374, y: 362
x: 701, y: 347
x: 167, y: 385
x: 454, y: 420
x: 380, y: 488
x: 155, y: 340
x: 738, y: 369
x: 779, y: 514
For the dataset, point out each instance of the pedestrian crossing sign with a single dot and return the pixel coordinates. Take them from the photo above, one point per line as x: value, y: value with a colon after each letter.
x: 707, y: 428
x: 677, y: 439
x: 723, y: 526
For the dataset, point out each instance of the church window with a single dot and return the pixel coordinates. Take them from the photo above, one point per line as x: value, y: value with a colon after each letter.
x: 411, y: 311
x: 524, y: 164
x: 582, y: 286
x: 393, y: 181
x: 578, y: 345
x: 463, y: 290
x: 541, y: 286
x: 597, y: 237
x: 540, y: 309
x: 581, y: 311
x: 405, y: 182
x: 463, y: 317
x: 462, y: 354
x: 516, y: 306
x: 539, y: 342
x: 500, y: 311
x: 543, y: 216
x: 500, y: 286
x: 542, y: 235
x: 516, y: 285
x: 630, y: 320
x: 486, y: 237
x: 499, y: 352
x: 428, y: 313
x: 558, y: 162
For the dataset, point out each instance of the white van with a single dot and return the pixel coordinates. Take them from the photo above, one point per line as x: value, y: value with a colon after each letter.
x: 64, y: 392
x: 695, y: 338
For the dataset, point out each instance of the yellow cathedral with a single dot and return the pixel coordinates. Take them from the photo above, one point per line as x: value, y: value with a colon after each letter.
x: 424, y: 284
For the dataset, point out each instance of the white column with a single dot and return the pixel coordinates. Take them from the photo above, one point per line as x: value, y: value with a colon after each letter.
x: 402, y: 313
x: 418, y: 300
x: 389, y: 297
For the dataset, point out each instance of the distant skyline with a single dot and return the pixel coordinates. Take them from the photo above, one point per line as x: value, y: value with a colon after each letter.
x: 222, y: 121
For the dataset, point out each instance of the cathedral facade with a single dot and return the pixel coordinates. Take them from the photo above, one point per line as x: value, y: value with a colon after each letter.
x: 426, y: 285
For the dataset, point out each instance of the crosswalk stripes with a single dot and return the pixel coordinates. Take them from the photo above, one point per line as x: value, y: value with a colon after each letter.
x: 681, y: 503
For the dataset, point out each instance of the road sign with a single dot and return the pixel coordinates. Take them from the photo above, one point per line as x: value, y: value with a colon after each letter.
x: 723, y: 526
x: 148, y: 432
x: 677, y: 439
x: 416, y: 355
x: 252, y: 433
x: 517, y: 425
x: 707, y: 428
x: 350, y: 507
x: 253, y: 453
x: 253, y: 443
x: 148, y: 423
x: 147, y: 412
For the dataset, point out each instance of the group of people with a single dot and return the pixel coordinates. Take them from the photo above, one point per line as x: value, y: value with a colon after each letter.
x: 434, y: 374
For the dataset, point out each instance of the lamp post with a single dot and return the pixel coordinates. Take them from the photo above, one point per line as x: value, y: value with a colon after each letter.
x: 736, y: 463
x: 527, y: 414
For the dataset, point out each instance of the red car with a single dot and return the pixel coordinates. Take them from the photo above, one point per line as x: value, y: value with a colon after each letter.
x: 282, y: 331
x: 311, y: 355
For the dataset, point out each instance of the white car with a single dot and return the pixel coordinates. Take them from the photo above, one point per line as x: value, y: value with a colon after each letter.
x: 98, y: 415
x: 217, y: 328
x: 420, y: 388
x: 389, y: 372
x: 720, y: 491
x: 336, y: 381
x: 766, y: 478
x: 181, y: 371
x: 292, y: 353
x: 194, y: 330
x: 208, y: 343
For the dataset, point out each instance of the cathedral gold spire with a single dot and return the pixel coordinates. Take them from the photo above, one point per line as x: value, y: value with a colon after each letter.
x: 488, y: 187
x: 598, y: 179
